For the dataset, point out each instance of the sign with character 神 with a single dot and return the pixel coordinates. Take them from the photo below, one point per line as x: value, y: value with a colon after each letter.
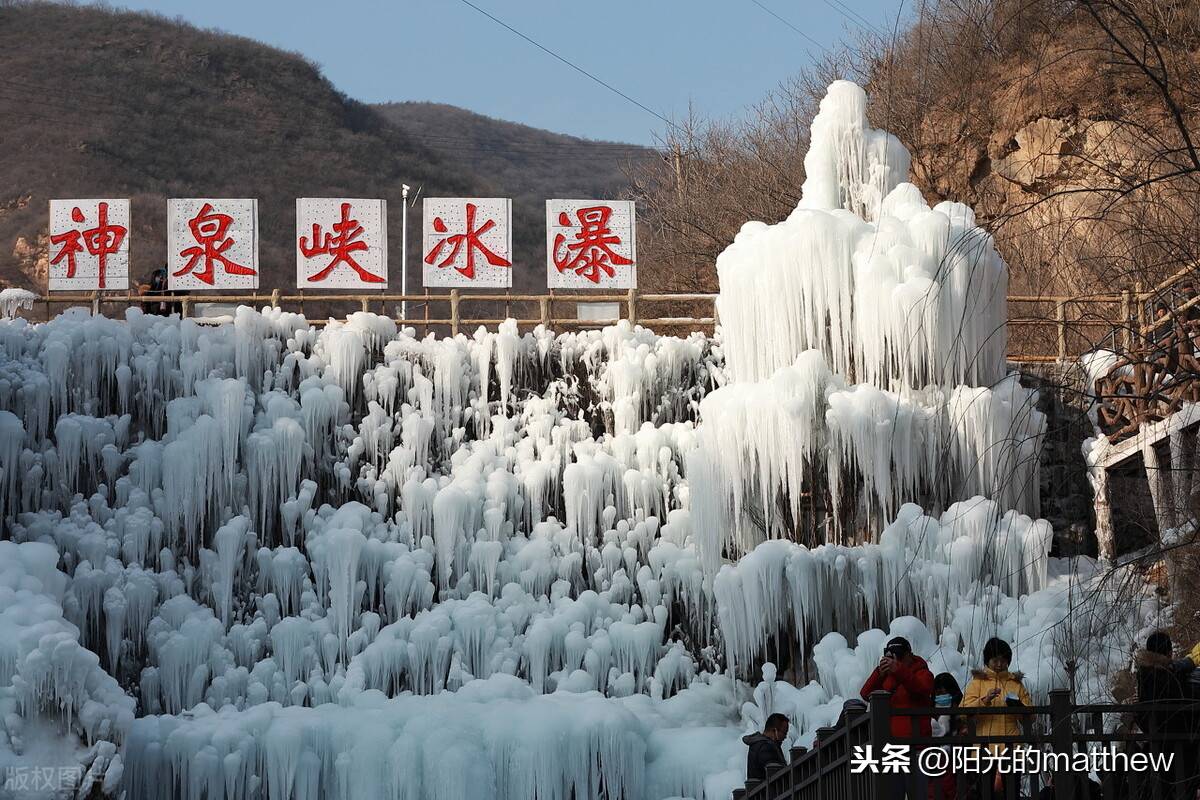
x: 467, y: 241
x: 212, y: 244
x: 341, y: 243
x: 591, y: 244
x: 89, y: 245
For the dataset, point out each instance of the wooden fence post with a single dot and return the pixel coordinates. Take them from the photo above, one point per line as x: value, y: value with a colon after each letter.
x: 880, y: 709
x: 544, y: 310
x: 1062, y: 331
x: 454, y: 312
x: 95, y: 304
x: 632, y: 302
x: 1062, y: 741
x: 366, y: 301
x: 275, y: 298
x: 1127, y: 320
x: 185, y: 306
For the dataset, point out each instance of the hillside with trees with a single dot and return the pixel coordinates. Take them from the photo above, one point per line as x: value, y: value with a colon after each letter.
x: 521, y: 162
x: 1068, y: 125
x: 527, y: 164
x: 141, y: 106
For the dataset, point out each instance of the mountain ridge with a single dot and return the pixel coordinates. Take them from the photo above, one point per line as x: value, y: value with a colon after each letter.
x: 149, y: 108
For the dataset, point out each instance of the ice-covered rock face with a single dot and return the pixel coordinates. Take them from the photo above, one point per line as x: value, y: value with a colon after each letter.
x: 342, y: 561
x: 13, y: 299
x: 850, y: 165
x: 260, y: 518
x: 891, y: 292
x: 864, y: 339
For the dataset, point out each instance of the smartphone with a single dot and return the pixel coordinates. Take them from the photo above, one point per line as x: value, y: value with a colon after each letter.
x: 1011, y: 699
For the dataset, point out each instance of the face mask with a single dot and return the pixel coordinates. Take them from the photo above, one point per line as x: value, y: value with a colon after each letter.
x: 942, y: 700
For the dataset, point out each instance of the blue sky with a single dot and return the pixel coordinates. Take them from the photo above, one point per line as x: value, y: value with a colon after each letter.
x: 718, y: 55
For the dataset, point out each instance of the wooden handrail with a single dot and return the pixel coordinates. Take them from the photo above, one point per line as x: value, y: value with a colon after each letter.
x: 827, y: 771
x: 1067, y: 314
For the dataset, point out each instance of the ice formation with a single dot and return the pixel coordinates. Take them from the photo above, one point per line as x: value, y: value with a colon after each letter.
x: 13, y: 299
x: 344, y: 561
x: 864, y: 339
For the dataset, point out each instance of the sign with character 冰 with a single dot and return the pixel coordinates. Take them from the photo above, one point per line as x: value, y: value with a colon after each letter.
x: 591, y: 244
x: 89, y: 245
x: 341, y: 243
x: 212, y: 244
x: 467, y: 241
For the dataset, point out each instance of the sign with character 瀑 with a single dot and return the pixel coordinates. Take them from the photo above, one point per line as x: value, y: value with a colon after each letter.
x: 467, y: 241
x: 341, y: 243
x: 89, y: 245
x: 212, y: 244
x: 591, y: 244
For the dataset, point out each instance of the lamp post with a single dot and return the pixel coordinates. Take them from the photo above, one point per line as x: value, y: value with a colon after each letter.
x: 404, y: 251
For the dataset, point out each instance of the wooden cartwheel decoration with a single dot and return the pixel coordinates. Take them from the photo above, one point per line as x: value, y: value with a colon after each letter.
x: 1156, y: 379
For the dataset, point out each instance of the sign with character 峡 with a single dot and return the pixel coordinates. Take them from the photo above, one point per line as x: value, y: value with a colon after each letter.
x: 467, y: 241
x: 341, y: 243
x: 591, y: 244
x: 89, y: 245
x: 212, y: 244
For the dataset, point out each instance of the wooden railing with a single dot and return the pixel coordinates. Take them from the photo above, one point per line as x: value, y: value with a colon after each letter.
x: 1042, y: 328
x: 1155, y: 378
x: 827, y: 771
x: 526, y: 309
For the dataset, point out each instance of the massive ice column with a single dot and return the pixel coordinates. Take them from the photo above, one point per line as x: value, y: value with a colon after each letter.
x: 864, y: 337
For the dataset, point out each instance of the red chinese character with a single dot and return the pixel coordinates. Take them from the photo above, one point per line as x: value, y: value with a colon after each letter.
x: 472, y: 240
x: 211, y: 232
x: 100, y: 241
x: 591, y: 251
x: 340, y: 244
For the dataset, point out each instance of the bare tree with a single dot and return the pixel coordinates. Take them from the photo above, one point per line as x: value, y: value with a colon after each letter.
x: 716, y: 175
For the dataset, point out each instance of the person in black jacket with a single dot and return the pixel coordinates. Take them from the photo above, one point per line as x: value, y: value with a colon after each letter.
x: 1165, y: 682
x: 766, y: 748
x: 157, y: 287
x: 1159, y: 678
x: 1085, y: 789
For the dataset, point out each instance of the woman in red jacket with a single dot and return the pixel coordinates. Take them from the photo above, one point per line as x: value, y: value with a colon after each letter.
x: 908, y: 678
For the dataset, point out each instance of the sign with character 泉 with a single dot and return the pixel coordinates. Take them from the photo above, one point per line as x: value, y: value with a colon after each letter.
x: 89, y: 245
x: 591, y: 244
x: 212, y: 244
x: 467, y: 241
x: 341, y: 243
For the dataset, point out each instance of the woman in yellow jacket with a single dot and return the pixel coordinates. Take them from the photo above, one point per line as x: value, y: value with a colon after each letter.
x: 995, y: 686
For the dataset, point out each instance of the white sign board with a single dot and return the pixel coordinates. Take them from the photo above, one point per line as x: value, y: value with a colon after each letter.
x: 591, y: 244
x: 597, y: 312
x: 341, y: 243
x: 89, y: 245
x: 212, y: 244
x: 467, y: 241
